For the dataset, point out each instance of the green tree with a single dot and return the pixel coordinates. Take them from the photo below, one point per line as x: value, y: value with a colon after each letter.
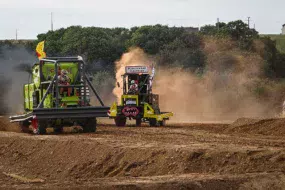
x: 152, y: 38
x: 210, y: 30
x: 273, y: 60
x: 184, y: 52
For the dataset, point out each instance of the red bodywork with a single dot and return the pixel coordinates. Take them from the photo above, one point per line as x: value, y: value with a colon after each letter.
x: 130, y: 111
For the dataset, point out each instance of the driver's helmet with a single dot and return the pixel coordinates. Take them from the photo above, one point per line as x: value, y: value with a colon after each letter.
x: 132, y: 82
x: 64, y: 72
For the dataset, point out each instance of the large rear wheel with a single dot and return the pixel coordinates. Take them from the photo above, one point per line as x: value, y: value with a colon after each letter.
x: 24, y: 126
x: 39, y: 127
x: 58, y: 129
x: 120, y: 121
x: 90, y: 125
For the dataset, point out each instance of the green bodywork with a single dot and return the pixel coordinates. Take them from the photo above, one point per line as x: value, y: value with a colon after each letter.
x: 48, y: 72
x: 28, y: 96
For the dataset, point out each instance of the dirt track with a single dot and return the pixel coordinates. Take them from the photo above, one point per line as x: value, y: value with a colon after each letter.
x: 243, y: 155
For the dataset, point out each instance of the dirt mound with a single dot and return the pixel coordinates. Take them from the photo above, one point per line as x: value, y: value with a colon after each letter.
x: 244, y: 121
x: 5, y: 125
x: 258, y: 126
x: 114, y: 152
x: 144, y: 157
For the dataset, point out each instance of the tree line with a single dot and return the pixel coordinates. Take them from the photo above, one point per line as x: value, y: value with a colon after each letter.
x: 104, y: 46
x: 172, y: 46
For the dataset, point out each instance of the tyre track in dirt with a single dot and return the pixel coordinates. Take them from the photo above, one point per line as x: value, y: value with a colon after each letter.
x: 182, y: 155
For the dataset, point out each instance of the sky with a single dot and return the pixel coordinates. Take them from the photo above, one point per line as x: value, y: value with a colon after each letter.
x: 32, y: 17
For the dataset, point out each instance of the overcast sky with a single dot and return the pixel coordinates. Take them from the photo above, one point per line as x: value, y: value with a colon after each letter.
x: 32, y: 17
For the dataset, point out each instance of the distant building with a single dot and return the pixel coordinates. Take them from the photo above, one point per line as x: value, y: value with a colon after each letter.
x: 191, y: 29
x: 283, y: 29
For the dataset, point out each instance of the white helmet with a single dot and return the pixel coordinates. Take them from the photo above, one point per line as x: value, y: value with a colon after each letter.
x: 63, y: 72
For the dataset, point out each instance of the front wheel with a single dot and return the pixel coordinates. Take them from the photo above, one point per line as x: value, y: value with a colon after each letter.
x: 152, y: 122
x: 138, y: 122
x: 161, y: 123
x: 120, y: 121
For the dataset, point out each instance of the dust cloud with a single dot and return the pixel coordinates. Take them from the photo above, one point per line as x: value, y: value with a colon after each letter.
x: 10, y: 59
x: 223, y: 94
x: 135, y: 57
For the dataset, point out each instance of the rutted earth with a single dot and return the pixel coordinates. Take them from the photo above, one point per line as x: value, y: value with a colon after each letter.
x: 247, y: 154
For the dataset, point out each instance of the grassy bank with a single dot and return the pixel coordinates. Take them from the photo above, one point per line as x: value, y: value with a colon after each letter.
x: 280, y: 41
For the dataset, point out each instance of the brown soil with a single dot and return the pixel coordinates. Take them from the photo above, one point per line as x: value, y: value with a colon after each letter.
x: 180, y: 156
x: 5, y: 125
x: 254, y: 126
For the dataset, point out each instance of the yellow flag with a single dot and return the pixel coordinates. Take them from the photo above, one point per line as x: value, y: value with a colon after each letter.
x: 40, y: 50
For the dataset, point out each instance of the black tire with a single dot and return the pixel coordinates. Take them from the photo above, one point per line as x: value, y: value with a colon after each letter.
x: 90, y: 126
x: 58, y: 129
x: 24, y: 126
x: 120, y: 121
x: 41, y: 130
x: 162, y: 123
x: 152, y: 122
x: 138, y: 122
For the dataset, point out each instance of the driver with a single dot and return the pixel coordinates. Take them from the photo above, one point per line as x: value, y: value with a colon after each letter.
x: 133, y: 86
x: 63, y: 79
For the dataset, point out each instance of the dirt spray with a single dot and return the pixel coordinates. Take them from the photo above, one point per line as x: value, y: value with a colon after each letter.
x: 222, y: 94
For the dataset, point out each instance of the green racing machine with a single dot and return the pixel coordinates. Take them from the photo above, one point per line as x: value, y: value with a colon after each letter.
x: 50, y: 103
x: 137, y: 101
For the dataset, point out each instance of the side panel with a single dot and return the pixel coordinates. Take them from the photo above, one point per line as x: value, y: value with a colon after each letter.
x: 149, y: 113
x: 48, y: 100
x: 113, y: 110
x: 28, y: 96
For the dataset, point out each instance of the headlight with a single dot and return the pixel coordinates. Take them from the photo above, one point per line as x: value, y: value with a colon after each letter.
x: 131, y: 102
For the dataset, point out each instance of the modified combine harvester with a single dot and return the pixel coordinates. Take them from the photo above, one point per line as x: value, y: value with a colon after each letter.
x: 50, y: 103
x: 138, y: 102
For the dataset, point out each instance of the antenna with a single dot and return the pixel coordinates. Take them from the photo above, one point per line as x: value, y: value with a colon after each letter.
x: 16, y: 34
x: 51, y: 22
x: 218, y: 23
